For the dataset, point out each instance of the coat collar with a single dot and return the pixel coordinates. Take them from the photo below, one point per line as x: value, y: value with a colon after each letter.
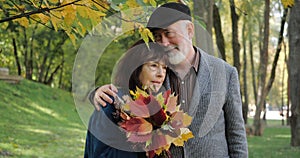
x: 200, y: 84
x: 211, y: 79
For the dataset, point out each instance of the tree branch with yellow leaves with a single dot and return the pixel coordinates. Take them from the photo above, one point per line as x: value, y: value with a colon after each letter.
x: 40, y: 10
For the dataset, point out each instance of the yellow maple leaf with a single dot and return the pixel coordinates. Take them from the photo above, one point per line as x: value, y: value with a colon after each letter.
x: 126, y: 107
x: 53, y: 1
x: 55, y: 18
x: 145, y: 34
x: 128, y: 27
x: 81, y: 31
x: 23, y: 21
x: 132, y: 3
x: 186, y: 134
x: 102, y: 6
x: 95, y: 16
x: 138, y: 92
x: 65, y: 1
x: 161, y: 149
x: 34, y: 3
x: 55, y: 22
x: 153, y: 2
x: 69, y: 19
x: 82, y: 11
x: 44, y: 18
x: 287, y: 3
x: 160, y: 99
x: 187, y: 120
x: 150, y: 35
x: 72, y: 37
x: 34, y: 16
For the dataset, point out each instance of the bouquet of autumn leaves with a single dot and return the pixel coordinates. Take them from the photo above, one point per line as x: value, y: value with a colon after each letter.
x: 155, y: 122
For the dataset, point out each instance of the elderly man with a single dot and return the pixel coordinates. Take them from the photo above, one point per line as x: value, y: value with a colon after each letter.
x: 209, y: 88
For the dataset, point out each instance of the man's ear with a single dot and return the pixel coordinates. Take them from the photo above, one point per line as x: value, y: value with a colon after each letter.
x: 191, y: 31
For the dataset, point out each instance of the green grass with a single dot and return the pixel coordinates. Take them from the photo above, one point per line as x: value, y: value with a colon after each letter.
x: 275, y: 143
x: 41, y: 122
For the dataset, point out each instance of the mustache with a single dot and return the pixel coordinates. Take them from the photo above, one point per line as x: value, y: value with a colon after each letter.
x: 170, y: 48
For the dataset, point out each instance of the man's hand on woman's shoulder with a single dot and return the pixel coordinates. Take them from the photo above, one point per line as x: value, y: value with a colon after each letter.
x: 102, y: 95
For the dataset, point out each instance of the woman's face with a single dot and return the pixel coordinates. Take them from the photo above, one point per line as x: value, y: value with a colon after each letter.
x: 153, y: 75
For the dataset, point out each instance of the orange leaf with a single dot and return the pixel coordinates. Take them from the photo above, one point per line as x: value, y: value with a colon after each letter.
x: 139, y: 108
x: 137, y: 125
x: 158, y: 140
x: 172, y: 103
x: 134, y: 137
x: 180, y: 119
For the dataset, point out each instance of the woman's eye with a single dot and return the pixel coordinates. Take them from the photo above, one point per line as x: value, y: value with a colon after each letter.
x: 157, y: 37
x: 154, y: 65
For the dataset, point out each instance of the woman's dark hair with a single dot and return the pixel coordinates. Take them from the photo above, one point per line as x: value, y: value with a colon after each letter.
x: 127, y: 70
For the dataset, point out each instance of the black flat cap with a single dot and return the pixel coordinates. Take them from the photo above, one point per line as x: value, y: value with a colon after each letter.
x: 168, y: 14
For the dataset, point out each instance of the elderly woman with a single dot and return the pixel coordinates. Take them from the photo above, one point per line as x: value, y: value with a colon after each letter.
x: 143, y: 67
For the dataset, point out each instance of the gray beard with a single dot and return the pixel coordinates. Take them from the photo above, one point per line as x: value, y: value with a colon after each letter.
x: 175, y: 57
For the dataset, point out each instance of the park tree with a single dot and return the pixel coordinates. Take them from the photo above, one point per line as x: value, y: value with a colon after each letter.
x: 294, y: 71
x: 203, y: 11
x: 254, y: 30
x: 261, y: 93
x: 264, y: 85
x: 245, y: 67
x: 235, y: 37
x: 38, y: 30
x: 74, y: 17
x: 39, y: 33
x: 203, y: 20
x: 220, y: 41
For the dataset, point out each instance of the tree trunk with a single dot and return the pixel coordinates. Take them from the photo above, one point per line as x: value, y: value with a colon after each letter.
x: 44, y: 62
x: 218, y: 31
x: 60, y: 83
x: 282, y: 95
x: 58, y: 67
x: 28, y: 70
x: 252, y: 67
x: 17, y: 57
x: 288, y: 87
x: 288, y: 119
x: 261, y: 94
x: 203, y: 11
x: 48, y: 68
x: 294, y: 71
x: 246, y: 99
x: 235, y: 37
x: 277, y: 53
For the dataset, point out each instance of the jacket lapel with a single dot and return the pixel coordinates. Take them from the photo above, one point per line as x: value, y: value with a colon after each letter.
x: 200, y: 85
x: 210, y: 80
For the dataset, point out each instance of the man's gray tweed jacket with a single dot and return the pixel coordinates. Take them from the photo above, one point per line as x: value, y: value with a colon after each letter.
x: 216, y: 108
